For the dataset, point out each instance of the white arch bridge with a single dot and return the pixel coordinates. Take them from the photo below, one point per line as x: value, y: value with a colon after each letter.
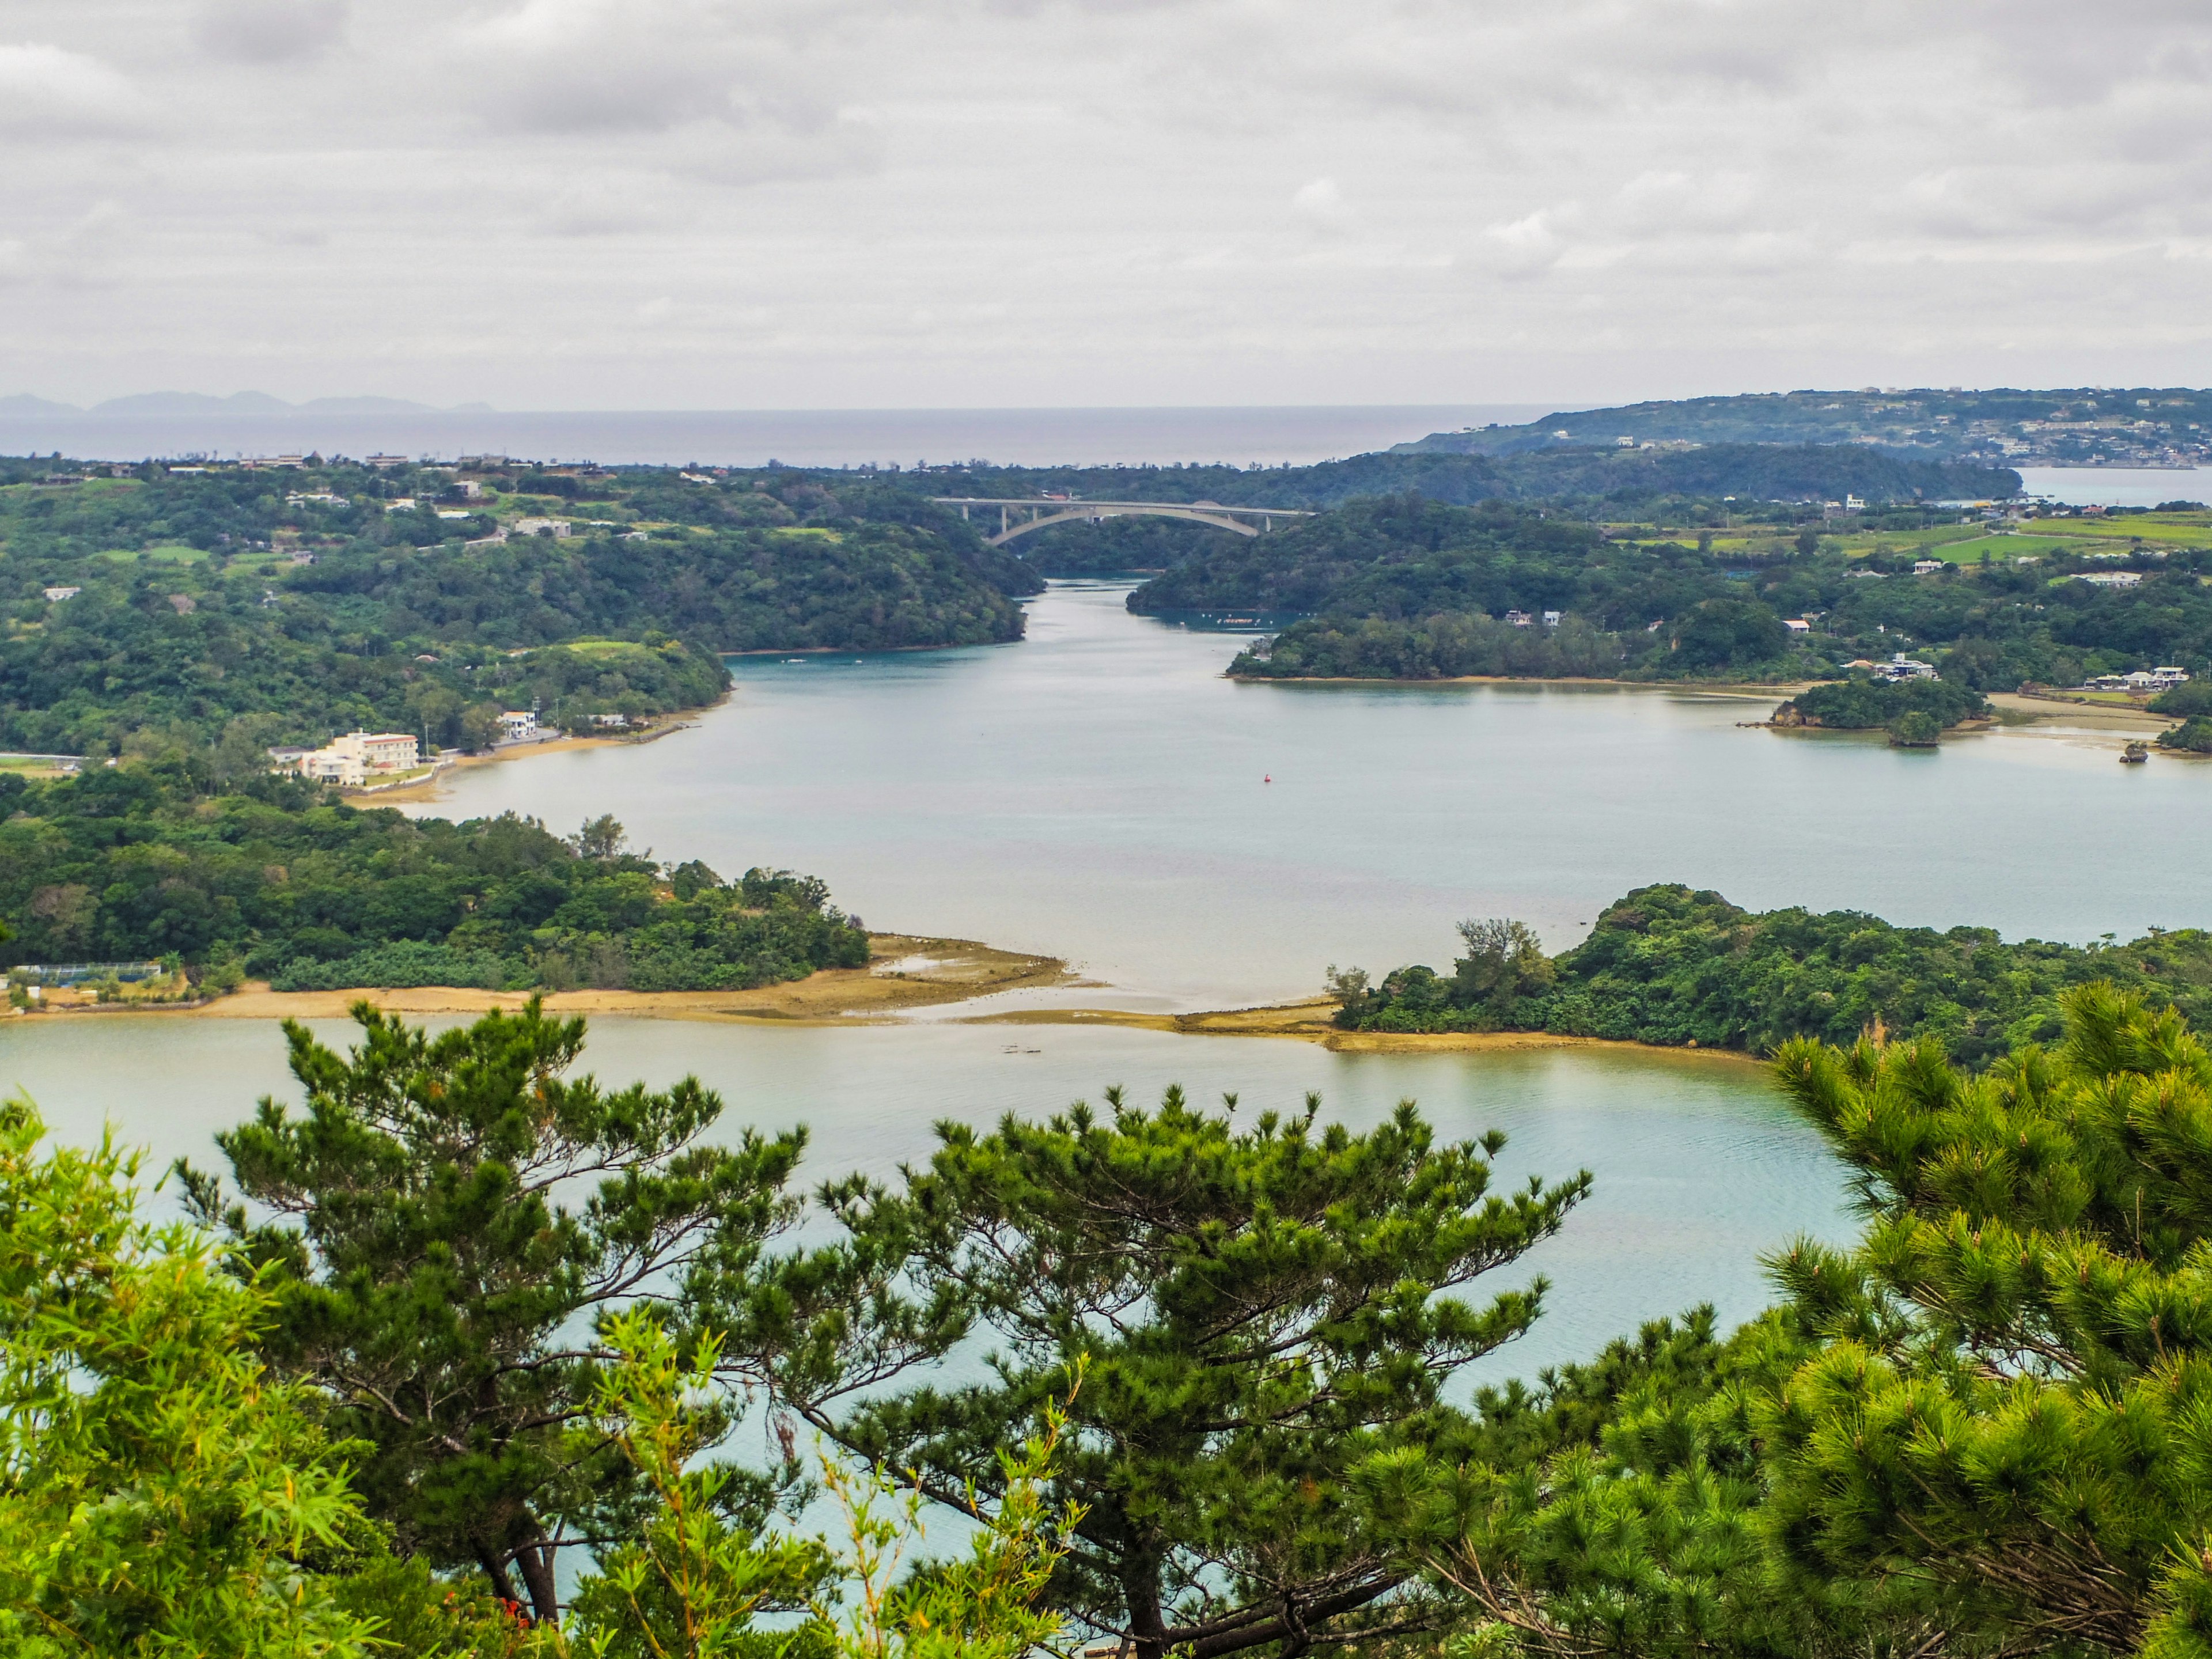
x: 1040, y: 512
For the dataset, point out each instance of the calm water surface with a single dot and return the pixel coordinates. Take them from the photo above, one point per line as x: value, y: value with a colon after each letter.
x: 1100, y: 793
x: 1700, y: 1167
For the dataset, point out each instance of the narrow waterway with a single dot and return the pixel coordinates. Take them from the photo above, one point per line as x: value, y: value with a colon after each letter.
x: 1100, y: 793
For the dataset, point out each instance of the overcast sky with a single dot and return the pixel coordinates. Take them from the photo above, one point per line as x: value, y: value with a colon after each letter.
x: 690, y: 203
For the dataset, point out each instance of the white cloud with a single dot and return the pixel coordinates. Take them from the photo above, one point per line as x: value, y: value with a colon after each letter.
x: 1320, y: 205
x: 48, y: 92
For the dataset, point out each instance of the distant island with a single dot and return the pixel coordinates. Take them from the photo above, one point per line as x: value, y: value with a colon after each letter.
x: 2076, y: 426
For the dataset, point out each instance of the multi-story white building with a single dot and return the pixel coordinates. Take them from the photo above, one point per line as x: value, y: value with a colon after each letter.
x: 355, y: 759
x: 517, y: 724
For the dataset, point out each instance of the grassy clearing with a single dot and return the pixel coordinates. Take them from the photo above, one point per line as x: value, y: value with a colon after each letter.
x: 166, y: 553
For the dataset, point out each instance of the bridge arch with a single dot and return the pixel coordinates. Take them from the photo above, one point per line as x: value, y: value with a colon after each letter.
x: 1044, y: 513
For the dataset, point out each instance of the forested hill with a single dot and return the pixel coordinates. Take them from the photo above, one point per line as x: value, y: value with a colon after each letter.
x: 2080, y: 425
x: 1579, y: 474
x: 1408, y: 588
x: 305, y: 600
x: 273, y: 878
x: 1671, y: 965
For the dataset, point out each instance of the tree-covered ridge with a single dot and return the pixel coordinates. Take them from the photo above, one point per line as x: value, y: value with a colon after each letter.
x: 1585, y: 477
x: 1399, y: 587
x: 310, y: 600
x: 276, y: 879
x: 2079, y: 425
x: 1668, y: 964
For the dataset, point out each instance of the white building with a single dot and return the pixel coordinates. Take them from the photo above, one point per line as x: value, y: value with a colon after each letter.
x: 1902, y: 667
x: 1926, y: 567
x: 517, y: 724
x: 1520, y: 619
x: 56, y: 595
x: 1798, y: 625
x: 2110, y: 578
x: 1551, y: 618
x: 355, y: 759
x: 545, y: 526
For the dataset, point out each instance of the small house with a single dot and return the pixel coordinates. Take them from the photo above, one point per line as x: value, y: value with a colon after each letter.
x: 517, y: 724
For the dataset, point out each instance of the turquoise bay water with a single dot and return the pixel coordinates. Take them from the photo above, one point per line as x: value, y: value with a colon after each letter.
x: 1099, y: 791
x: 1700, y: 1167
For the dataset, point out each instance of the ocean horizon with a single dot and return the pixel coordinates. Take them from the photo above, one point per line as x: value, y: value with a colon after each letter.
x: 1240, y: 434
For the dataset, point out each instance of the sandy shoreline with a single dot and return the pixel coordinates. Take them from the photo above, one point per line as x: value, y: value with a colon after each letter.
x: 1780, y: 688
x: 1312, y: 1021
x: 428, y: 789
x: 908, y: 971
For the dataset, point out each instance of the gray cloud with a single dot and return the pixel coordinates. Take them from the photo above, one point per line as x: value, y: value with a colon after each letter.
x: 965, y: 201
x: 270, y: 30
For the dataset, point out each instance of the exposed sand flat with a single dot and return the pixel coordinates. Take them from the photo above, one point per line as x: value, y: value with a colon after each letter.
x: 1313, y: 1022
x: 908, y: 972
x: 2106, y: 716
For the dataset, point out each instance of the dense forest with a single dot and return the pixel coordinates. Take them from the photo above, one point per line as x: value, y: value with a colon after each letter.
x: 1757, y: 476
x: 275, y: 878
x: 1408, y: 588
x: 308, y: 600
x: 1667, y: 964
x: 1862, y: 703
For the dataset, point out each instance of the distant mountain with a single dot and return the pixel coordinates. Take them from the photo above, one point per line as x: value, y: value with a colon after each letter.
x: 2081, y: 426
x: 368, y: 406
x: 22, y: 406
x: 193, y: 403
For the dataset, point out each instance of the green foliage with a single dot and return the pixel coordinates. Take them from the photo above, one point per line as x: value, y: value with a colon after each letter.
x: 1667, y: 964
x: 1980, y: 1430
x: 2190, y: 698
x: 1462, y: 474
x: 1253, y: 1312
x: 2193, y: 736
x: 1922, y: 424
x: 313, y: 618
x: 161, y: 1491
x: 1861, y: 703
x: 1915, y: 728
x: 436, y: 1267
x: 1722, y: 635
x: 2007, y: 1412
x: 273, y: 878
x: 1407, y: 588
x: 695, y: 1584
